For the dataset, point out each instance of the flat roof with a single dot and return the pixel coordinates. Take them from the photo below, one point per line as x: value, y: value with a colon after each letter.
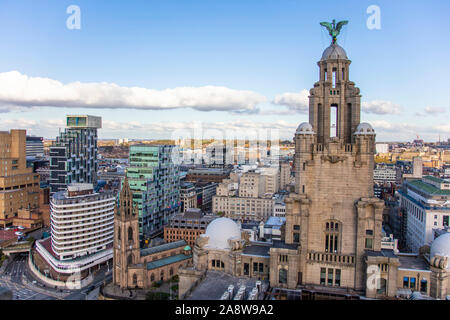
x: 216, y: 283
x: 413, y: 262
x: 257, y: 249
x: 428, y: 188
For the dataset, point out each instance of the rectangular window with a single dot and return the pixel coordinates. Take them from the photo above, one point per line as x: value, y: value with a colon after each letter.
x: 333, y: 121
x: 405, y: 282
x: 326, y: 243
x: 330, y: 277
x: 412, y: 283
x: 423, y: 286
x: 337, y: 280
x: 261, y: 267
x: 323, y: 272
x: 296, y: 237
x: 445, y: 222
x: 369, y: 243
x: 255, y: 267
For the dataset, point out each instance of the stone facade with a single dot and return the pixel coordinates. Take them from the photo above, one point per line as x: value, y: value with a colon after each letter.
x: 140, y: 268
x: 333, y: 216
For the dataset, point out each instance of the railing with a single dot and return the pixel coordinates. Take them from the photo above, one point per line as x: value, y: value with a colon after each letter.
x: 333, y: 258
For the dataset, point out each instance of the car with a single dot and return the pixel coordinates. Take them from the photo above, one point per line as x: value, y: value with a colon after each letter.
x: 18, y: 233
x: 21, y: 228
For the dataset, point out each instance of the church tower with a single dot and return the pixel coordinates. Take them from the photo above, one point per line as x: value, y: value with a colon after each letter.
x: 126, y: 236
x: 332, y: 218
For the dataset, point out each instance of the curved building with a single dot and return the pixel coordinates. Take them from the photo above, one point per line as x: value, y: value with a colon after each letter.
x: 82, y: 222
x: 82, y: 230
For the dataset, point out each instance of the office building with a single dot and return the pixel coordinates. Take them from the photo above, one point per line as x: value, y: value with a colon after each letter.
x: 155, y: 182
x: 19, y: 186
x: 73, y: 155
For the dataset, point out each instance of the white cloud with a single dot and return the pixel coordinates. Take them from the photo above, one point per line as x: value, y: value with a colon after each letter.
x: 380, y: 107
x: 434, y: 110
x: 19, y: 90
x: 296, y: 102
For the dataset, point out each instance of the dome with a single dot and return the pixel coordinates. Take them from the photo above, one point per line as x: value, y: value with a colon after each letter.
x: 219, y: 231
x: 305, y: 128
x: 441, y: 247
x: 364, y: 128
x: 334, y: 51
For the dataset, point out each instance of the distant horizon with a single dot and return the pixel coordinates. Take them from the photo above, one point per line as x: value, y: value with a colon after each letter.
x: 152, y: 68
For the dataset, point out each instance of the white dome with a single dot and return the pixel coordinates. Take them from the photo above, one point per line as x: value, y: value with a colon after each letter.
x: 219, y: 231
x: 364, y: 128
x: 441, y: 247
x: 334, y: 51
x: 305, y: 128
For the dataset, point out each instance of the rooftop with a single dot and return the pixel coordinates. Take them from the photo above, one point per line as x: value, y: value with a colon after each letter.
x: 216, y: 283
x: 283, y: 245
x: 428, y: 188
x: 257, y: 249
x: 163, y: 247
x: 413, y: 262
x: 168, y: 260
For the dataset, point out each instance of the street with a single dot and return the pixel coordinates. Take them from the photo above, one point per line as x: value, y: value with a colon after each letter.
x: 25, y: 286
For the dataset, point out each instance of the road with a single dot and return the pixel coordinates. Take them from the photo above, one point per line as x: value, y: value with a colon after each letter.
x: 25, y: 286
x: 12, y: 279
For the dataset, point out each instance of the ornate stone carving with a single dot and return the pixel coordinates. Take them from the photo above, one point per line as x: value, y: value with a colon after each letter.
x: 333, y: 158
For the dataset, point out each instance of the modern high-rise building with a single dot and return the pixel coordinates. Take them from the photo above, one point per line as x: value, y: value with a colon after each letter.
x: 73, y: 155
x: 19, y: 186
x: 155, y: 182
x: 35, y: 147
x: 82, y: 231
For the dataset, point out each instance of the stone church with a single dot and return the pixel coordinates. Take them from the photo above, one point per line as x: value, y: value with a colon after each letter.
x: 136, y: 267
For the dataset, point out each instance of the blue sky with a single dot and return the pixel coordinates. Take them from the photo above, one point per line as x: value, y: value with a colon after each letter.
x: 255, y: 48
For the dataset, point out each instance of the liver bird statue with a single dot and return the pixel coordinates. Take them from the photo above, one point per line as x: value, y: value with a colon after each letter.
x: 333, y: 28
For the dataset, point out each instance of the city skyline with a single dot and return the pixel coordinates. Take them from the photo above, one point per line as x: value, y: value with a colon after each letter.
x: 180, y: 64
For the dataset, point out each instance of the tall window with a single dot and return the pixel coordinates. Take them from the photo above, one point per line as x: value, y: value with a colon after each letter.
x: 135, y: 279
x: 330, y: 276
x: 332, y: 232
x: 282, y: 275
x: 118, y: 233
x: 369, y: 239
x: 323, y: 273
x: 334, y: 77
x: 423, y: 285
x: 337, y: 279
x: 333, y: 120
x: 130, y: 234
x: 296, y: 234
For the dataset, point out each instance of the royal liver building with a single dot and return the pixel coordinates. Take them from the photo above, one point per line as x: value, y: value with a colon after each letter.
x: 333, y: 220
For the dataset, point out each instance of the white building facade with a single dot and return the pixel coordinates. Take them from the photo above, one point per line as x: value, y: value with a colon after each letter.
x: 426, y: 203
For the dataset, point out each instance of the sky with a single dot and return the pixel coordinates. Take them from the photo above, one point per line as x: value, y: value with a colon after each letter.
x: 158, y: 68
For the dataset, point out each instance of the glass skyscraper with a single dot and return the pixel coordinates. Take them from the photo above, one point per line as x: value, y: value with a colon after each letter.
x: 155, y: 182
x: 73, y: 155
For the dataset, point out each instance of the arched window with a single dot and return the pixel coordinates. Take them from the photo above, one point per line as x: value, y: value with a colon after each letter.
x: 130, y: 234
x: 171, y: 272
x: 282, y: 276
x: 130, y: 259
x: 152, y: 277
x: 135, y: 279
x: 162, y: 275
x: 332, y: 236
